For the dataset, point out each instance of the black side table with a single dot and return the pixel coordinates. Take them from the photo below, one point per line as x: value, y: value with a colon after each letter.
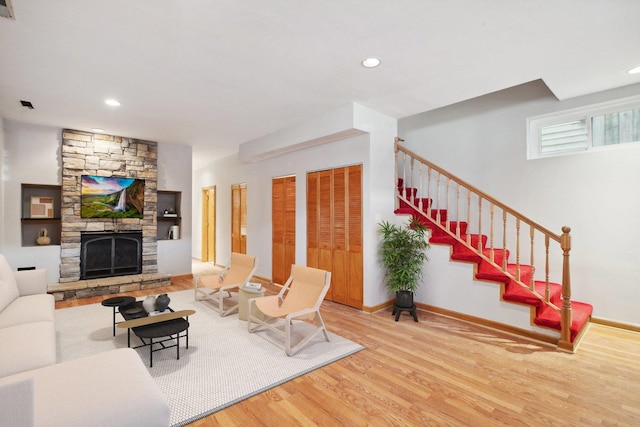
x: 119, y: 303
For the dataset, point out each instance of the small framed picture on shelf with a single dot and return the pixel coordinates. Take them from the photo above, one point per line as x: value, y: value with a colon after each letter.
x: 41, y: 207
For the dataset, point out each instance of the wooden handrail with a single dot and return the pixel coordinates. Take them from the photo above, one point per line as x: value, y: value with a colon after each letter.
x: 484, y: 195
x: 435, y: 203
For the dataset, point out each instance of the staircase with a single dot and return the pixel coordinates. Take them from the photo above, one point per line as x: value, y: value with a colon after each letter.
x: 480, y: 230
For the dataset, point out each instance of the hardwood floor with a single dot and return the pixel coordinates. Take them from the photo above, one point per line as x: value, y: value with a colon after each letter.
x: 445, y: 372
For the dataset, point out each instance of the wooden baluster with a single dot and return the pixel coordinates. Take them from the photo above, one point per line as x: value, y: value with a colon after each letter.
x: 410, y: 196
x: 566, y: 315
x: 420, y: 187
x: 468, y: 217
x: 492, y: 253
x: 429, y: 191
x: 438, y: 198
x: 518, y: 249
x: 479, y: 223
x: 532, y: 285
x: 404, y: 174
x: 504, y: 240
x: 458, y: 210
x: 547, y: 293
x: 448, y: 222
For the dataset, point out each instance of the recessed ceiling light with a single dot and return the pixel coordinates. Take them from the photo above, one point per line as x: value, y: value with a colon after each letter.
x: 112, y: 102
x: 97, y: 130
x: 371, y: 62
x: 634, y: 70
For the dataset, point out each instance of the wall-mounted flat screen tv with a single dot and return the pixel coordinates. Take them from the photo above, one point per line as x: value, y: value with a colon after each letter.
x: 111, y: 197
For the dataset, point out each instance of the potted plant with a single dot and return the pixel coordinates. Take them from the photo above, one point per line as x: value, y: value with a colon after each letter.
x: 402, y: 253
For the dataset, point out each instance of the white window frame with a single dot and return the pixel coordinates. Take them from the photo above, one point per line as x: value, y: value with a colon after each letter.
x: 535, y: 124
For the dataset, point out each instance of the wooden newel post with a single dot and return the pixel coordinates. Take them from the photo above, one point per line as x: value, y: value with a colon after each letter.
x: 565, y: 244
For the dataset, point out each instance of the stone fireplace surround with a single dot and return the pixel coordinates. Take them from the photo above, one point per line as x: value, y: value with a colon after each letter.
x: 85, y: 153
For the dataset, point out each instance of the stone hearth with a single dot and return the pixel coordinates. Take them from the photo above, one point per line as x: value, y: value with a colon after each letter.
x: 108, y: 285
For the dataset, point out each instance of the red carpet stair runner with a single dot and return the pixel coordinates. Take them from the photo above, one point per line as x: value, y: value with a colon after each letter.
x: 545, y: 316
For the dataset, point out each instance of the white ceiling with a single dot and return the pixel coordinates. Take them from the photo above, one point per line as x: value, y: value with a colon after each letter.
x: 213, y: 74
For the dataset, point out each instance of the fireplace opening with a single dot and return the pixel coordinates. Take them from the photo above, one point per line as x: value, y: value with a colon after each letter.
x: 110, y: 254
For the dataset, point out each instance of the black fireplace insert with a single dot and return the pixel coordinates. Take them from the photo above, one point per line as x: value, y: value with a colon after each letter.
x: 110, y: 254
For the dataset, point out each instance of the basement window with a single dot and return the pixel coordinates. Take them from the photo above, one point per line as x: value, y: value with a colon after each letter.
x: 583, y: 129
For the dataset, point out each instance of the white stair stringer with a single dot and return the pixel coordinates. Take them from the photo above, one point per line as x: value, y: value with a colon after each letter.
x: 450, y: 285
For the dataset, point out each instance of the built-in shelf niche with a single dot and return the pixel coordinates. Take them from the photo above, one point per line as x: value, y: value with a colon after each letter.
x: 36, y: 217
x: 168, y: 213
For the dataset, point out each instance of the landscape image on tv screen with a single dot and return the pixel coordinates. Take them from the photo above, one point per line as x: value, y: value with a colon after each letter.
x: 111, y: 197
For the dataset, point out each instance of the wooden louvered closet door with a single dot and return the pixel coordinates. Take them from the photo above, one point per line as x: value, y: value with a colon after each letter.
x: 339, y: 268
x: 355, y: 292
x: 312, y: 219
x: 283, y: 226
x: 334, y: 230
x: 325, y: 222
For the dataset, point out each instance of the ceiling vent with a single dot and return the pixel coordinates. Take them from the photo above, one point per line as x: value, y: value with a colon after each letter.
x: 6, y: 10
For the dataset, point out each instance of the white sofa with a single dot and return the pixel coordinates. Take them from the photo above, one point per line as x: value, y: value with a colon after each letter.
x: 106, y: 389
x: 27, y: 326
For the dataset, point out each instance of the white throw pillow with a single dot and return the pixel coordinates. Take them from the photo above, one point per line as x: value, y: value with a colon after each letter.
x: 8, y: 286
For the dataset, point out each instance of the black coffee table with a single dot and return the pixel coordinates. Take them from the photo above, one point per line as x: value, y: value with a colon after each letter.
x: 161, y: 327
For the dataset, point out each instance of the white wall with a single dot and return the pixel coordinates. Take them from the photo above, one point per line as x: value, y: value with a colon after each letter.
x: 483, y: 141
x: 258, y: 177
x: 174, y: 174
x: 32, y: 156
x: 2, y: 154
x: 373, y: 147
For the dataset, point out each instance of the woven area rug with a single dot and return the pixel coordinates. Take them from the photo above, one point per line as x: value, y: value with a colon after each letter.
x: 224, y: 364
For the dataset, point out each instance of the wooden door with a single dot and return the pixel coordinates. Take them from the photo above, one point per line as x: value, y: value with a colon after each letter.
x: 243, y: 219
x: 290, y: 225
x: 325, y: 224
x: 355, y: 280
x: 239, y: 218
x: 319, y: 220
x: 312, y: 219
x: 340, y: 266
x: 334, y: 230
x: 283, y: 217
x: 209, y: 224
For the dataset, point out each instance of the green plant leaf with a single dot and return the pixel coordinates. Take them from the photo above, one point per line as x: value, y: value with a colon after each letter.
x: 402, y: 254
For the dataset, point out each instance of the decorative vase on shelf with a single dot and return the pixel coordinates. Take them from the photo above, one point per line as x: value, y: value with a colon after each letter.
x: 162, y: 302
x: 43, y: 238
x: 149, y: 303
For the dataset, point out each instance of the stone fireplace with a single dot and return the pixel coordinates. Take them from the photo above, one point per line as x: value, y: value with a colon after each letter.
x: 85, y: 153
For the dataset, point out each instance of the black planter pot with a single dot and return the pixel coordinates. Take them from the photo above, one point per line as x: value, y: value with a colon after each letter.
x: 404, y: 299
x: 404, y: 302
